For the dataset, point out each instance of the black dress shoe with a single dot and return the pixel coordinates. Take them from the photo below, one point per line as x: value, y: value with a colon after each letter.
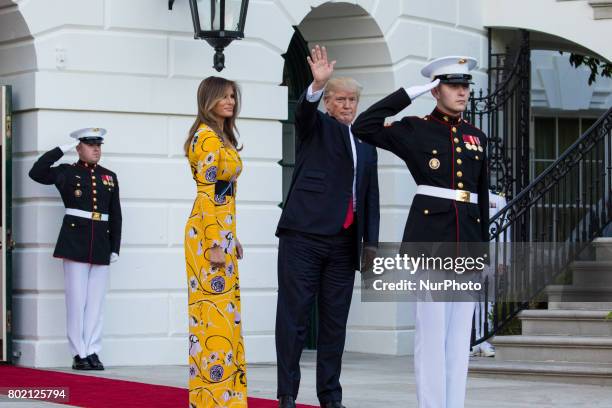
x: 286, y: 401
x: 95, y: 362
x: 79, y: 363
x: 333, y: 404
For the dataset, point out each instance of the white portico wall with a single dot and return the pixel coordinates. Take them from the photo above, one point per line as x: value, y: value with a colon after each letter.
x: 133, y: 68
x: 557, y: 86
x: 570, y: 20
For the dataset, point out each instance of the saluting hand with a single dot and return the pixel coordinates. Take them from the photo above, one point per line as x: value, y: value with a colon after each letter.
x: 69, y: 146
x: 416, y: 91
x: 320, y: 67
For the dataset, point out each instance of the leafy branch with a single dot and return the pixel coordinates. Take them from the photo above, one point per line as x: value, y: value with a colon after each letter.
x: 597, y: 67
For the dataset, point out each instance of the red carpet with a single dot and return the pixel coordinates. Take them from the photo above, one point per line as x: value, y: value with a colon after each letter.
x: 96, y: 392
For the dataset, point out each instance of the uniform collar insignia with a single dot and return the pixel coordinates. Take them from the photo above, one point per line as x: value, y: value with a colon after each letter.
x: 87, y: 165
x: 443, y: 117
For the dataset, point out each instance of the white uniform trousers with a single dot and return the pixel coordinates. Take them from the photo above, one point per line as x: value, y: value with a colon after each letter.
x: 441, y: 352
x: 85, y: 288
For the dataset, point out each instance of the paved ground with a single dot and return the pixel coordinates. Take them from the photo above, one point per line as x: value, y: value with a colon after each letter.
x: 381, y: 381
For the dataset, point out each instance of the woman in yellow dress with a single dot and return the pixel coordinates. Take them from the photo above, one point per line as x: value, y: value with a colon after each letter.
x: 217, y: 369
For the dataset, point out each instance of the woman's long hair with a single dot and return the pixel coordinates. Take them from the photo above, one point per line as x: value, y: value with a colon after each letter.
x: 210, y: 92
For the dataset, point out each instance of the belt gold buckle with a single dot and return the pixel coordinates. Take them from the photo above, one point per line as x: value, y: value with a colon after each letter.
x: 463, y: 196
x: 96, y: 216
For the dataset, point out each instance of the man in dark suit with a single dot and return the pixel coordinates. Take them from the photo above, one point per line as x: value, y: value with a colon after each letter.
x: 89, y: 238
x: 332, y: 207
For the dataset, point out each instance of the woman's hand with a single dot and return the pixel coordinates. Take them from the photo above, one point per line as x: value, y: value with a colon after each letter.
x: 320, y: 67
x: 217, y: 257
x: 239, y: 250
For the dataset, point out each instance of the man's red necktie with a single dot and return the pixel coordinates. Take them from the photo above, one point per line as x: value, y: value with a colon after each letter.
x: 348, y: 221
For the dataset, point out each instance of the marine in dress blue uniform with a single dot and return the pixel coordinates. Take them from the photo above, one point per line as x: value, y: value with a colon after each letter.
x: 89, y: 238
x: 446, y: 156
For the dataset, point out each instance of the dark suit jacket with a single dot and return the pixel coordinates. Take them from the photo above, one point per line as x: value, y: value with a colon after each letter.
x: 322, y: 181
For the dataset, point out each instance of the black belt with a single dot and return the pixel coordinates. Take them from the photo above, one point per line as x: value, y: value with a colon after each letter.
x: 225, y: 188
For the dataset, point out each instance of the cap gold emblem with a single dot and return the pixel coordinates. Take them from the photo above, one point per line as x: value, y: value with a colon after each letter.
x: 462, y: 61
x: 78, y: 193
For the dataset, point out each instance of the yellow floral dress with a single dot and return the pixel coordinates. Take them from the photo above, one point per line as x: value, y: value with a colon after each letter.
x: 217, y: 369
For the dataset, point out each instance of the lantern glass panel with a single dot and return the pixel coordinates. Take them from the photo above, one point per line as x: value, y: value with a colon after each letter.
x: 210, y: 12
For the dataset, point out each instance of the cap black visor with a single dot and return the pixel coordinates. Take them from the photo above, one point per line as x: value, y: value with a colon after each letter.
x: 465, y: 79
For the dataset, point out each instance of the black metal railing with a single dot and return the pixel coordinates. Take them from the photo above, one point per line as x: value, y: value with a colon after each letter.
x: 560, y: 213
x: 503, y: 114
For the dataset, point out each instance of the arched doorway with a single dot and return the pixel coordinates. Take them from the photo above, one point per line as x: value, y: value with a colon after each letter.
x: 342, y: 28
x: 17, y: 60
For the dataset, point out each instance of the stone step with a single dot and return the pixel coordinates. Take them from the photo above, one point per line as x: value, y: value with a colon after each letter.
x: 572, y: 293
x: 603, y: 248
x: 573, y: 373
x: 605, y: 306
x: 591, y: 273
x: 574, y: 349
x: 565, y: 323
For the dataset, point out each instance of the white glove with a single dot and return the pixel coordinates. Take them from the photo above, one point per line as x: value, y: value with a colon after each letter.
x: 114, y: 257
x: 416, y: 91
x: 69, y: 146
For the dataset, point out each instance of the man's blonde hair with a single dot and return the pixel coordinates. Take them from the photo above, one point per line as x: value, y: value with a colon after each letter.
x: 342, y: 83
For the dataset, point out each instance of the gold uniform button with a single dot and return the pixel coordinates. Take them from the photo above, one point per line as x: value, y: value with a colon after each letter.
x: 459, y: 174
x: 95, y: 207
x: 95, y: 192
x: 458, y: 150
x: 460, y: 184
x: 476, y: 157
x: 72, y: 225
x: 94, y: 184
x: 426, y: 212
x: 477, y: 219
x: 454, y: 129
x: 434, y: 151
x: 456, y: 140
x: 459, y: 161
x: 95, y: 199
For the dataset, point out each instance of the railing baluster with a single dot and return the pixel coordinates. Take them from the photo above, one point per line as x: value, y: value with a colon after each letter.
x: 569, y: 202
